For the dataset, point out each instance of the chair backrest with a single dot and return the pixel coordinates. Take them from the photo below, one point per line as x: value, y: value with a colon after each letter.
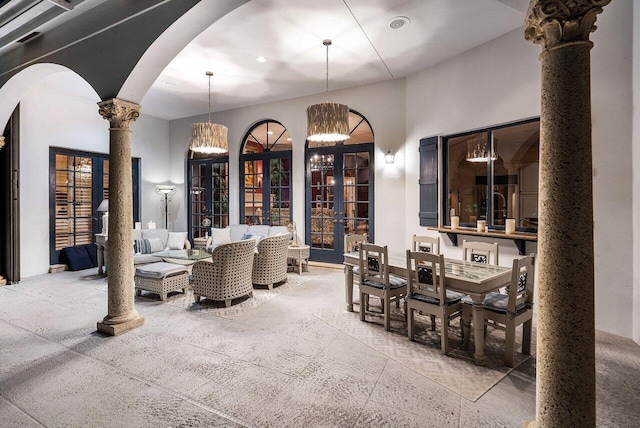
x: 480, y: 252
x: 228, y: 261
x: 523, y: 276
x: 425, y: 275
x: 352, y: 242
x: 374, y: 264
x: 274, y: 248
x: 426, y: 244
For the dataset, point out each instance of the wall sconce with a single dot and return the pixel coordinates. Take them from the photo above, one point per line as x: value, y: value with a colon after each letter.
x: 165, y: 191
x: 389, y: 157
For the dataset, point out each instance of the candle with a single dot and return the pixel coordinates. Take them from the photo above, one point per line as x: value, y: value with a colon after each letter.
x: 151, y: 225
x: 510, y: 226
x: 455, y: 222
x: 481, y: 226
x: 138, y: 225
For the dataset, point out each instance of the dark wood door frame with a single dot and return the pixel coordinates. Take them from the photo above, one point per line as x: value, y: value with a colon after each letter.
x: 10, y: 200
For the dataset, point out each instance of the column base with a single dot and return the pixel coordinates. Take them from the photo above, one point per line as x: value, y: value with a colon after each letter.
x: 530, y: 424
x: 116, y: 329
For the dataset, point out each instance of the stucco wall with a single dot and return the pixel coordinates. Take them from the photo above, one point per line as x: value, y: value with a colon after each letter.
x: 500, y: 82
x: 382, y: 104
x: 50, y: 117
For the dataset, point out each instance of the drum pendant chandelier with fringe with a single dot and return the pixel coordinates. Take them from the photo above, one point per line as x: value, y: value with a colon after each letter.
x: 207, y: 137
x: 327, y: 122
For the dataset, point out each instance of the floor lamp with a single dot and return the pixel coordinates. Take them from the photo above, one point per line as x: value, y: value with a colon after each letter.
x: 166, y: 191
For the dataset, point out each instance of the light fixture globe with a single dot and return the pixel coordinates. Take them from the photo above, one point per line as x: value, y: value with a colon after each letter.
x: 207, y: 137
x: 327, y: 122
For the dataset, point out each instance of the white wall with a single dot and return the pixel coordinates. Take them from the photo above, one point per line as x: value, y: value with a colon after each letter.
x: 495, y: 83
x: 382, y: 104
x: 500, y: 82
x: 51, y: 118
x: 636, y: 174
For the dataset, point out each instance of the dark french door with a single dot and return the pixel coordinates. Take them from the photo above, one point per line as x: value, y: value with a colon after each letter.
x: 339, y: 197
x: 208, y: 195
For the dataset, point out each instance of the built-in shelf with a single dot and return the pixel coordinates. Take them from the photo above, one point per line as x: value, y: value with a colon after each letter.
x: 519, y: 238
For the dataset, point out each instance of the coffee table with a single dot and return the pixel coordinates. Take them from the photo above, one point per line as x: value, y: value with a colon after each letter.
x: 184, y: 257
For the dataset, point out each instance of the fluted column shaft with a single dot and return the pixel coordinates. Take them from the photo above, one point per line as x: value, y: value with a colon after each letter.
x: 122, y: 315
x: 565, y: 374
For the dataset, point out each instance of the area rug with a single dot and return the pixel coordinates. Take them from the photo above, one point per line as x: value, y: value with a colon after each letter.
x: 239, y: 307
x: 456, y: 372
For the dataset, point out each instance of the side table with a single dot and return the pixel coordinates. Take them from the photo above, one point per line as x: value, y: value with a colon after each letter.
x: 299, y: 254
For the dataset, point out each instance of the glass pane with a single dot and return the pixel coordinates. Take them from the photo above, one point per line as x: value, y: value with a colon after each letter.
x: 322, y: 191
x: 515, y: 175
x: 467, y: 181
x: 270, y: 136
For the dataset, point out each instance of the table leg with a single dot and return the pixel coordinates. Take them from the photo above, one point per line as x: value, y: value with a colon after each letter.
x: 300, y: 266
x: 478, y: 330
x: 348, y: 285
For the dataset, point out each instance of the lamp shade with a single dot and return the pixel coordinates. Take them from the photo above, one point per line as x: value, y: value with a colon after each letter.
x: 104, y: 206
x: 207, y: 137
x: 165, y: 189
x: 327, y: 122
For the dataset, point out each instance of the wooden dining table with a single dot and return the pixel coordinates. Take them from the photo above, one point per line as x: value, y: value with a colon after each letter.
x: 474, y: 279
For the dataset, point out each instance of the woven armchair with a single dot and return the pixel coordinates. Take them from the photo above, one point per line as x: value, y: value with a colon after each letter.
x: 270, y: 263
x: 227, y: 275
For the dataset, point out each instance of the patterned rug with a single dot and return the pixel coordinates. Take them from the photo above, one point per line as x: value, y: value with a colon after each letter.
x: 456, y: 372
x: 239, y: 306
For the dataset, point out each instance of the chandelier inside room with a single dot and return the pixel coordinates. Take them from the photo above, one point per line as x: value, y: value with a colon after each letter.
x: 478, y: 151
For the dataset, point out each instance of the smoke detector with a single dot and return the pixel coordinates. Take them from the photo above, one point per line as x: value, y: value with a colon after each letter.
x: 398, y: 22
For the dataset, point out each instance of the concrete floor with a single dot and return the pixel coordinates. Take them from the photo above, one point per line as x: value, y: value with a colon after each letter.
x: 275, y: 366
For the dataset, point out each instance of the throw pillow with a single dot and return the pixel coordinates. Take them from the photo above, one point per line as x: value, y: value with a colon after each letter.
x: 156, y: 245
x: 247, y: 236
x: 141, y: 246
x: 220, y: 236
x: 176, y: 240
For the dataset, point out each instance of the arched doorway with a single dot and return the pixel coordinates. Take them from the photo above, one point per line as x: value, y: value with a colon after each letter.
x: 339, y: 190
x: 265, y: 175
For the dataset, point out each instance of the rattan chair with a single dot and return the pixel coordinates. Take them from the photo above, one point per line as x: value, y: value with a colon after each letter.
x: 270, y: 262
x: 427, y: 293
x: 227, y: 275
x: 506, y: 312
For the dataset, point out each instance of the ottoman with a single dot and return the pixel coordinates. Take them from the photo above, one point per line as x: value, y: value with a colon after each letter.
x: 161, y: 278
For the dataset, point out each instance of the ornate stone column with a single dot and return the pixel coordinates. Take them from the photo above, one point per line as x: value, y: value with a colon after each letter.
x: 1, y: 141
x: 122, y: 315
x: 565, y: 378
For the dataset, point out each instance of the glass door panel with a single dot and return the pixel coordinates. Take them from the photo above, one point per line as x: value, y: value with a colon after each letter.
x: 209, y: 195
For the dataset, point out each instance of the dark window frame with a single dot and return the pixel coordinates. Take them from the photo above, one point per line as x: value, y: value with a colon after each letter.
x: 444, y: 188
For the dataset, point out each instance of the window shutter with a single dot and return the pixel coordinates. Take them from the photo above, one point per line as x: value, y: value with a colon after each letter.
x: 428, y: 182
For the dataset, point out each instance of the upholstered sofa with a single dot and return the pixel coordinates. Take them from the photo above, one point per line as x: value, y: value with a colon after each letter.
x: 237, y: 232
x: 146, y: 244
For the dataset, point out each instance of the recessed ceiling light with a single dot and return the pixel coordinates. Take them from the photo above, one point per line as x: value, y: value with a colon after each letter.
x: 269, y: 132
x: 288, y: 139
x: 398, y: 22
x: 261, y: 59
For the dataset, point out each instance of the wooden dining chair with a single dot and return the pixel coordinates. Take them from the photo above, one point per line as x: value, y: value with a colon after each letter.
x: 425, y: 244
x: 506, y: 312
x: 480, y: 252
x: 427, y: 293
x: 352, y: 244
x: 375, y: 280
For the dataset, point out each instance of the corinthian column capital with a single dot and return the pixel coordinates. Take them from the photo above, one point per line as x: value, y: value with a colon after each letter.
x: 119, y: 113
x: 1, y: 141
x: 553, y: 23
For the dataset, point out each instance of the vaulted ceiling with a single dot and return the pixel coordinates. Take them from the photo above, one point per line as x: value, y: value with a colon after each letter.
x: 373, y: 41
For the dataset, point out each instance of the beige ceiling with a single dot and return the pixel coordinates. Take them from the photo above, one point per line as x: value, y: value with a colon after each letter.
x: 289, y: 35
